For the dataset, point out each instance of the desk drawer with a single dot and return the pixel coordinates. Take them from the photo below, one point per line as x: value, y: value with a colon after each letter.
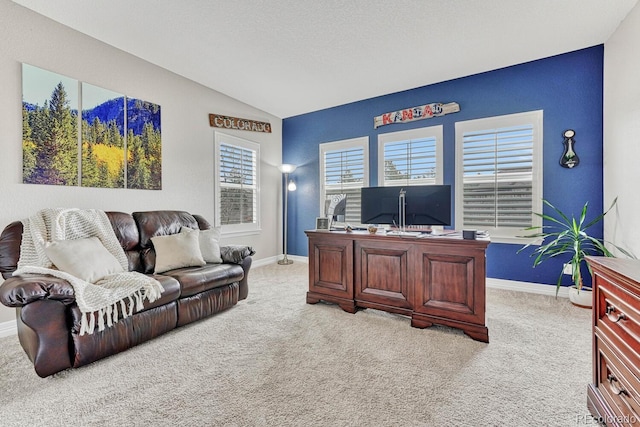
x: 617, y: 384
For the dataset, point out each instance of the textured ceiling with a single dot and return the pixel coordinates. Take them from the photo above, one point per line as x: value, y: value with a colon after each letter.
x: 289, y: 57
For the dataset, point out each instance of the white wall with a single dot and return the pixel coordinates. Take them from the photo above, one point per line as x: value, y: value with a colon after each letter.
x: 622, y: 132
x: 187, y: 139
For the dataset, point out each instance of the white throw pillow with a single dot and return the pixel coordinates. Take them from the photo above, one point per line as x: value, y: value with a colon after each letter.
x: 209, y: 244
x: 86, y: 259
x: 177, y: 251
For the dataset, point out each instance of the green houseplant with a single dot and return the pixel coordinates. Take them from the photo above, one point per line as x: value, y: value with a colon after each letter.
x: 569, y: 236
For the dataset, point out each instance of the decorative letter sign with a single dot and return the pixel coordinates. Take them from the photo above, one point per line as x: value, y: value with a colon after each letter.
x: 218, y: 121
x: 415, y: 113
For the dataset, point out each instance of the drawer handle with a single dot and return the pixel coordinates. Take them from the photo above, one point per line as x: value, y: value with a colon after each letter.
x: 618, y: 391
x: 612, y: 316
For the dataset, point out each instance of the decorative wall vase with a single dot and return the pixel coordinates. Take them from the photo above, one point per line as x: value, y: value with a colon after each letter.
x: 569, y: 157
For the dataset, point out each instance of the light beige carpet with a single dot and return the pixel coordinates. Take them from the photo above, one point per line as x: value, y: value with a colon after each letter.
x: 273, y: 360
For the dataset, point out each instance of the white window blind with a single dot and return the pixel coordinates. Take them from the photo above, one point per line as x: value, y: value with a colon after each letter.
x: 412, y: 157
x: 344, y: 170
x: 236, y: 183
x: 500, y: 171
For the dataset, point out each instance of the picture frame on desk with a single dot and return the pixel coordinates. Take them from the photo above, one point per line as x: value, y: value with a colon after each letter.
x: 323, y: 224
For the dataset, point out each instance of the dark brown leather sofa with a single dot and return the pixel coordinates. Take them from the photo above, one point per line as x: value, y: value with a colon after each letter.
x: 48, y: 318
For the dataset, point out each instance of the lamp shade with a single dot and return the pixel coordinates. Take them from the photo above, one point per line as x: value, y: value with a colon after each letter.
x: 287, y: 168
x: 292, y: 186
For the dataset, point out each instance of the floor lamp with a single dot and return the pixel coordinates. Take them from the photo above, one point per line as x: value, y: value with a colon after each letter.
x: 286, y: 169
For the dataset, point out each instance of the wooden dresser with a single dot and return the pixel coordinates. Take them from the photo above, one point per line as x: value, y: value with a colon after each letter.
x: 614, y: 396
x: 433, y: 280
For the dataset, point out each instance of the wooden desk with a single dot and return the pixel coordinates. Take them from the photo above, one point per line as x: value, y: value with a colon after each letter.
x: 433, y: 280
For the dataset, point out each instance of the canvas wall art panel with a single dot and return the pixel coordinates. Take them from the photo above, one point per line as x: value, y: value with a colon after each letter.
x: 144, y: 145
x: 49, y: 127
x: 103, y: 137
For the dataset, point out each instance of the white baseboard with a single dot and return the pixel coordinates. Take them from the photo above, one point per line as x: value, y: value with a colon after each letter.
x: 8, y: 328
x: 263, y: 261
x: 534, y: 288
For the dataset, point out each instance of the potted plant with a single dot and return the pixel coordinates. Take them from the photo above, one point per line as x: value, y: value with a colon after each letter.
x: 570, y: 236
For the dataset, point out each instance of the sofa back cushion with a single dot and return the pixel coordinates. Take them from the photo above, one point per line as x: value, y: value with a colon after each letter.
x: 10, y: 241
x: 134, y: 232
x: 159, y: 223
x: 127, y: 233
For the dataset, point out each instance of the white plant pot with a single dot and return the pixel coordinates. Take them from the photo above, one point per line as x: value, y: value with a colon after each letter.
x: 582, y: 298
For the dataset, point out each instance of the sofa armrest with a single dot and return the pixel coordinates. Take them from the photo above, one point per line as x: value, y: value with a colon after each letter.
x: 235, y: 254
x: 239, y: 254
x: 19, y: 291
x: 44, y: 336
x: 244, y: 283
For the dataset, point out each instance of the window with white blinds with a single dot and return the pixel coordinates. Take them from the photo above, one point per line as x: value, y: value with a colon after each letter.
x: 344, y: 170
x: 236, y: 186
x: 499, y: 163
x: 411, y: 157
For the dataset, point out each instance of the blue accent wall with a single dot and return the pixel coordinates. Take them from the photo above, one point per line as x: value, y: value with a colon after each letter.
x: 567, y: 87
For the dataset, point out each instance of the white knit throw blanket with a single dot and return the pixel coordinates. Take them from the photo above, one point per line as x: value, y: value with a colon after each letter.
x: 99, y: 300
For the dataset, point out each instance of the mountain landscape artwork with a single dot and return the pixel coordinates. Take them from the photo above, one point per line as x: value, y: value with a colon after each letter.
x: 144, y: 145
x: 102, y: 138
x: 119, y: 145
x: 49, y: 128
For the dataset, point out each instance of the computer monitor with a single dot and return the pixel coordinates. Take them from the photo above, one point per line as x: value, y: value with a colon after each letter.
x: 424, y: 205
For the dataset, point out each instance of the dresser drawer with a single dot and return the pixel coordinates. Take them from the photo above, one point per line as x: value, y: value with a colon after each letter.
x: 617, y: 384
x: 615, y: 392
x: 618, y: 319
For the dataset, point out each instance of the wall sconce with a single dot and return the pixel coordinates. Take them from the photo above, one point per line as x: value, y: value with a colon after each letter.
x: 569, y: 157
x: 286, y: 169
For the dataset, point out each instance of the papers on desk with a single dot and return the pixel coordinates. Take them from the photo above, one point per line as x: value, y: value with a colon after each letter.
x: 480, y: 234
x: 404, y: 233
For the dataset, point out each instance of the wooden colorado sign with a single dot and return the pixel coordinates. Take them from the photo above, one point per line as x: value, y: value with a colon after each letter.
x: 227, y: 122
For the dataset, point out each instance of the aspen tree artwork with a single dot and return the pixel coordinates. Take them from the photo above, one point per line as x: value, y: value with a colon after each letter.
x: 80, y: 134
x: 102, y: 138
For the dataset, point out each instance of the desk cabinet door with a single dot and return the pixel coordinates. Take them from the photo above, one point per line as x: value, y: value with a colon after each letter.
x: 382, y: 273
x: 331, y: 267
x: 450, y: 283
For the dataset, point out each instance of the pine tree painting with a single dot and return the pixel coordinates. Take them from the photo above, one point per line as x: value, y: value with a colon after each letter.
x: 49, y: 128
x: 103, y: 138
x: 120, y: 144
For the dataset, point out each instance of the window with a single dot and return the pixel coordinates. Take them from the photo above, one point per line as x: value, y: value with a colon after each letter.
x: 499, y: 174
x: 344, y: 169
x: 236, y: 186
x: 411, y: 157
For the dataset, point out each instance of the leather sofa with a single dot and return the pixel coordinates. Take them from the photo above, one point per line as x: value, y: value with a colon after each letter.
x: 48, y: 318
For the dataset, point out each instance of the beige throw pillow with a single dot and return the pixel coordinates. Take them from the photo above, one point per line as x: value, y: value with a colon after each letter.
x: 209, y: 244
x: 177, y: 251
x: 86, y: 259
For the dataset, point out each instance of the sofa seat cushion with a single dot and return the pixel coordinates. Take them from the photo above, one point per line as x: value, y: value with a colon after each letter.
x: 194, y: 280
x: 171, y: 293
